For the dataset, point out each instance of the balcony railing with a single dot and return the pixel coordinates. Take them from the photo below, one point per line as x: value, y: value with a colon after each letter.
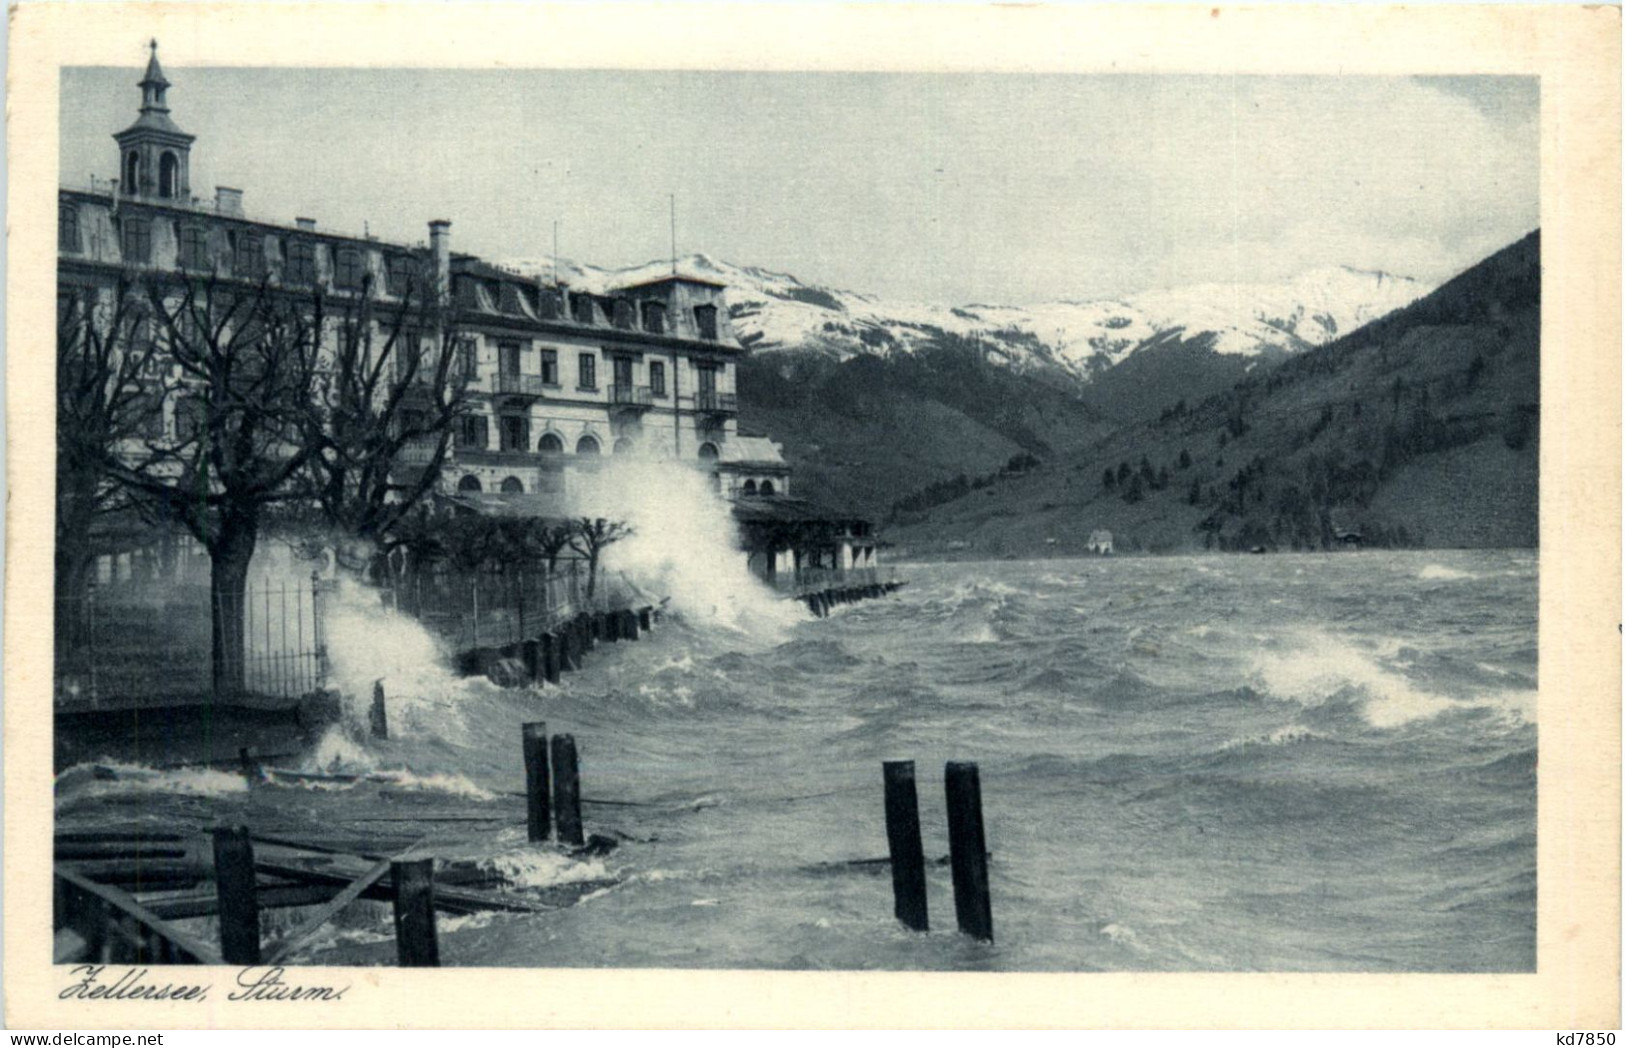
x: 526, y: 385
x: 418, y: 452
x: 716, y: 403
x: 630, y: 396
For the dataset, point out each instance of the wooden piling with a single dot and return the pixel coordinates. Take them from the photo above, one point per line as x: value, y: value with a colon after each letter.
x: 538, y: 813
x: 235, y: 887
x: 530, y: 652
x: 416, y: 944
x: 967, y: 848
x: 380, y: 717
x: 250, y: 766
x: 907, y: 854
x: 550, y: 657
x: 567, y: 789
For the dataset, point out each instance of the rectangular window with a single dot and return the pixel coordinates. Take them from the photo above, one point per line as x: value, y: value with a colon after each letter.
x: 515, y: 433
x: 708, y: 380
x: 588, y: 375
x: 473, y: 433
x: 623, y: 372
x: 508, y: 358
x: 469, y: 350
x: 67, y: 229
x: 409, y: 358
x: 623, y: 314
x: 654, y: 318
x: 550, y: 367
x: 136, y: 240
x: 400, y: 275
x: 348, y: 268
x: 657, y: 378
x: 248, y: 256
x: 581, y: 308
x: 705, y: 319
x: 191, y: 418
x: 194, y: 252
x: 301, y: 266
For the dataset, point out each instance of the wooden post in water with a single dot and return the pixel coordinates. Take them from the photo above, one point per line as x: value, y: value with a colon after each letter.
x: 538, y: 813
x: 416, y: 944
x: 235, y: 889
x: 531, y: 652
x: 250, y: 766
x: 967, y: 846
x: 907, y: 854
x: 550, y: 657
x: 567, y: 789
x: 380, y: 717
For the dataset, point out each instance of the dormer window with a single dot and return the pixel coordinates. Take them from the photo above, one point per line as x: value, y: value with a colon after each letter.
x: 654, y: 318
x: 705, y: 321
x: 348, y: 268
x: 67, y: 228
x: 623, y: 314
x: 248, y: 255
x: 135, y: 240
x: 400, y: 275
x: 194, y: 248
x: 301, y: 267
x: 581, y: 308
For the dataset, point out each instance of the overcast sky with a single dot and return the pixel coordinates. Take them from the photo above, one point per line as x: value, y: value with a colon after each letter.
x: 949, y: 188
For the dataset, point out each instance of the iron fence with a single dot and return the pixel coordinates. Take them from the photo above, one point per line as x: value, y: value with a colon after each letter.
x: 140, y: 640
x: 496, y: 606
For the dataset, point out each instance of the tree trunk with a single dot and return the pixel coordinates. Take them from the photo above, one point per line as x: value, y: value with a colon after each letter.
x: 228, y: 583
x: 592, y: 574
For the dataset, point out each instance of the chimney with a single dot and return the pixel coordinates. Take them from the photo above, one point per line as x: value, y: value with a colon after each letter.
x: 440, y: 248
x: 305, y: 223
x: 228, y: 201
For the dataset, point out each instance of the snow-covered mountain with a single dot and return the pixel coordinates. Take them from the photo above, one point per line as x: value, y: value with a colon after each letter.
x: 776, y: 311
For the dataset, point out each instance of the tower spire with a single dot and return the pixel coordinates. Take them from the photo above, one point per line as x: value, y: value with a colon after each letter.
x: 154, y: 84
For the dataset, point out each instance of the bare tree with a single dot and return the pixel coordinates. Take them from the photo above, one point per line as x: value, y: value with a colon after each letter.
x: 383, y: 411
x: 590, y: 537
x: 243, y: 362
x: 109, y: 392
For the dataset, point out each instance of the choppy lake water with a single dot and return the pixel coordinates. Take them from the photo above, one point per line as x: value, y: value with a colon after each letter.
x: 1316, y: 762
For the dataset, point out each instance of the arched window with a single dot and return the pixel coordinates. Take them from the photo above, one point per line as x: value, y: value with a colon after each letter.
x: 750, y: 487
x: 132, y: 172
x: 587, y: 445
x: 623, y: 445
x: 469, y: 483
x: 551, y: 444
x: 708, y: 452
x: 512, y: 486
x: 767, y: 487
x: 169, y: 174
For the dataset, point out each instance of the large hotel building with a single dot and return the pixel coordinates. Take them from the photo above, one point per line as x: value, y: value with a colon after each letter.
x: 556, y: 378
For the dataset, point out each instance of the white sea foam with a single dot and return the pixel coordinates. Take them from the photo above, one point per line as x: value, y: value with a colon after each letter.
x: 1318, y: 667
x: 1438, y: 572
x: 85, y: 780
x: 439, y: 782
x: 682, y: 545
x: 543, y: 868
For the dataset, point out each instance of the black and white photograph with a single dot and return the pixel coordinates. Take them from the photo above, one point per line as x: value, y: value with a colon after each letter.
x: 831, y: 520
